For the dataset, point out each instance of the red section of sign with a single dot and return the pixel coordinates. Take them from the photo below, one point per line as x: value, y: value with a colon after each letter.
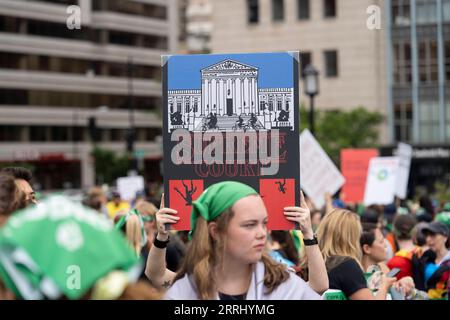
x: 278, y: 194
x: 354, y: 166
x: 181, y: 194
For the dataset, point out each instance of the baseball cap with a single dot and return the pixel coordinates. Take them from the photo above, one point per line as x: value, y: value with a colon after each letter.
x: 436, y: 228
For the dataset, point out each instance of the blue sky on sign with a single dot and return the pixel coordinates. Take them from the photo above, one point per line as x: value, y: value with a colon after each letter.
x: 275, y: 69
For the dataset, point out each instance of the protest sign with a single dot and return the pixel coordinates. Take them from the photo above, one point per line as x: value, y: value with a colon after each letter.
x: 404, y: 153
x: 231, y: 117
x: 381, y: 180
x: 129, y: 186
x: 354, y: 164
x: 318, y: 172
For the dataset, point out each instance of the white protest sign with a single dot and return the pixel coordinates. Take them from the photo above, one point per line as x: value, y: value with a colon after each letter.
x: 129, y: 186
x: 318, y: 174
x: 381, y: 180
x: 404, y: 153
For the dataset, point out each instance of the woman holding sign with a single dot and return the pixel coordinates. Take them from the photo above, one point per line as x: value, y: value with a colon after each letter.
x: 226, y: 258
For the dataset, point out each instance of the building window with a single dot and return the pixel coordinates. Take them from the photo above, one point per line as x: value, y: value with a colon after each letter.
x: 305, y: 60
x: 187, y: 106
x: 331, y: 63
x: 447, y: 60
x: 10, y: 133
x: 426, y: 12
x: 262, y: 105
x: 277, y: 10
x: 195, y: 105
x: 429, y: 121
x: 402, y: 63
x: 59, y: 133
x: 132, y: 8
x: 403, y: 121
x: 178, y: 106
x: 329, y: 8
x: 400, y: 13
x: 279, y: 104
x: 428, y: 61
x: 39, y: 133
x: 252, y: 11
x: 446, y: 10
x: 303, y: 9
x: 270, y: 103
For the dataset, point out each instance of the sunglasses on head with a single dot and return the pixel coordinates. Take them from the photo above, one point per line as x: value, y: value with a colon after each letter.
x: 148, y: 218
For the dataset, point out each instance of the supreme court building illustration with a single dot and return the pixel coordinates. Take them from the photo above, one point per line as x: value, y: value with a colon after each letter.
x: 229, y: 98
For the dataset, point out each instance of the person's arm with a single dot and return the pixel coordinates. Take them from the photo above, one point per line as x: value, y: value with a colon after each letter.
x: 156, y: 270
x: 318, y: 277
x: 366, y: 294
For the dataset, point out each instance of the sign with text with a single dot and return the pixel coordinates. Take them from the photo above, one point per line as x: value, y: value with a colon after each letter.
x: 128, y: 187
x: 404, y: 153
x: 381, y: 181
x: 354, y: 165
x: 318, y: 172
x: 231, y: 117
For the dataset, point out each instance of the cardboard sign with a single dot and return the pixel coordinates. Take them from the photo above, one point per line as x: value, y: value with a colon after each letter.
x: 231, y: 117
x: 381, y: 181
x: 318, y: 172
x: 404, y: 153
x: 354, y: 165
x: 129, y: 186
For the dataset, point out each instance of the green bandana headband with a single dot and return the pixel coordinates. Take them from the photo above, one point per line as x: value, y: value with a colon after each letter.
x: 60, y: 248
x: 124, y: 219
x: 216, y: 199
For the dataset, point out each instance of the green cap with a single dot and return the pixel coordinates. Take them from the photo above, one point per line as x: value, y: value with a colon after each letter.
x: 444, y: 217
x: 447, y: 207
x: 216, y: 199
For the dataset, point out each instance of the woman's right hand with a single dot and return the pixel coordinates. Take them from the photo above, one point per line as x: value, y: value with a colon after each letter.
x: 387, y: 282
x: 164, y: 216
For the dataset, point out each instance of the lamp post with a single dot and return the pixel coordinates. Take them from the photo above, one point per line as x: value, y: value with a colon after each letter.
x: 311, y: 85
x: 131, y: 133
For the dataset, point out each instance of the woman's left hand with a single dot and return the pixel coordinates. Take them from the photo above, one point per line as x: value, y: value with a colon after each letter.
x: 302, y: 216
x: 406, y: 285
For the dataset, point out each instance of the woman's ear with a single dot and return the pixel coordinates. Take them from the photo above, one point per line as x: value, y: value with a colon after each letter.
x: 366, y: 249
x: 212, y: 230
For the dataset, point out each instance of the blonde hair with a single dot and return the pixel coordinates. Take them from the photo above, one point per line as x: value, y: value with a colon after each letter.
x: 146, y: 208
x: 133, y: 233
x: 339, y: 233
x: 205, y: 255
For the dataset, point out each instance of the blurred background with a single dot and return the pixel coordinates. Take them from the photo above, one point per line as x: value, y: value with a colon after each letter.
x: 82, y: 106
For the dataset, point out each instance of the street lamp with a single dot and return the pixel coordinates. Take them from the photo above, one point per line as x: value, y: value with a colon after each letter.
x: 311, y: 85
x: 131, y: 132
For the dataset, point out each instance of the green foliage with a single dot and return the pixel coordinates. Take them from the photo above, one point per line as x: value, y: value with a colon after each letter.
x: 337, y: 129
x: 109, y: 165
x: 442, y: 191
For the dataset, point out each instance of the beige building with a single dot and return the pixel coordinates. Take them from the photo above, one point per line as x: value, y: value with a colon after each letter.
x: 195, y: 26
x: 332, y: 35
x: 58, y: 82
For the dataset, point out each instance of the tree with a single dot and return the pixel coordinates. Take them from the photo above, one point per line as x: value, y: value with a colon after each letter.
x: 109, y: 165
x: 338, y: 129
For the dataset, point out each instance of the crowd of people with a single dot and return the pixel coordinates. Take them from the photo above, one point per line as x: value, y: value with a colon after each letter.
x: 127, y: 250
